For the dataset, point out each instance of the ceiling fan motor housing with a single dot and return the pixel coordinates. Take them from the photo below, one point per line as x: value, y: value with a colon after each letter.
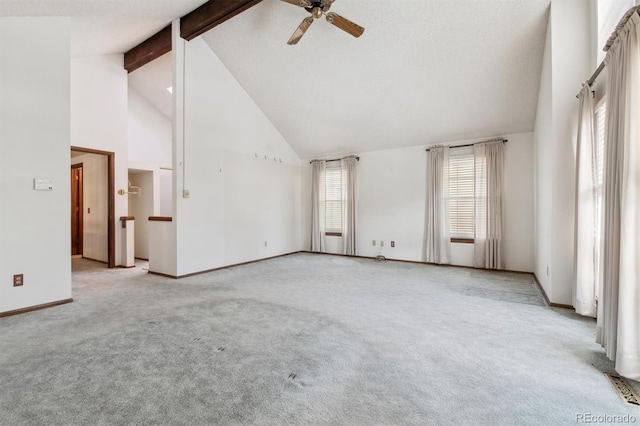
x: 324, y: 7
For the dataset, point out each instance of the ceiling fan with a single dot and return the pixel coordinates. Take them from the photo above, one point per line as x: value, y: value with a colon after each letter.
x: 317, y: 8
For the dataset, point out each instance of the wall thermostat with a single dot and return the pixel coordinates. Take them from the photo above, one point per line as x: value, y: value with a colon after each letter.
x: 43, y: 184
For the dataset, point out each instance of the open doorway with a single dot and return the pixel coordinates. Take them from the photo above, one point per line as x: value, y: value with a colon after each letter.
x: 77, y: 229
x: 141, y: 206
x: 93, y: 206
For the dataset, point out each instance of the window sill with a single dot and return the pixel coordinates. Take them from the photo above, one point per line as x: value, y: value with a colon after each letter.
x: 333, y: 234
x: 462, y: 240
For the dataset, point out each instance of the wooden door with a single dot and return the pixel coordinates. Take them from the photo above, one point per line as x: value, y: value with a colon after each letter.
x: 76, y: 209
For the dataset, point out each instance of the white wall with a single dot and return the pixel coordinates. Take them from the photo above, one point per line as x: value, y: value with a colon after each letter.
x: 261, y: 204
x: 390, y: 203
x: 35, y: 230
x: 166, y: 192
x: 569, y: 54
x: 391, y: 200
x: 95, y: 208
x: 99, y: 118
x: 149, y: 132
x: 236, y: 202
x: 543, y: 155
x: 519, y: 202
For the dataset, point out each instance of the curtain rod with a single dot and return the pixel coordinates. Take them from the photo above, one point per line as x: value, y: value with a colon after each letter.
x: 595, y: 75
x: 612, y: 38
x: 336, y: 159
x: 471, y: 144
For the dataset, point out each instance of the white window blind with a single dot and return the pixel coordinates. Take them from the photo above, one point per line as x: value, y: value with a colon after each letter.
x: 461, y: 196
x: 600, y: 113
x: 333, y: 200
x: 599, y: 181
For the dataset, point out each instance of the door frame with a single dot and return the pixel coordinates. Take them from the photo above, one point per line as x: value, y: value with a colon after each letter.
x: 111, y: 201
x: 80, y: 207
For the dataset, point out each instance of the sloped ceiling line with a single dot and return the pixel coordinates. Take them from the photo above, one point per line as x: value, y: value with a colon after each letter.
x: 193, y: 24
x: 424, y: 73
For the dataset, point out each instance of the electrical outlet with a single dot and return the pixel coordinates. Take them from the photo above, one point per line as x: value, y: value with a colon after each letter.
x: 265, y: 243
x: 381, y: 243
x: 185, y: 193
x: 393, y: 243
x: 18, y: 280
x: 373, y: 242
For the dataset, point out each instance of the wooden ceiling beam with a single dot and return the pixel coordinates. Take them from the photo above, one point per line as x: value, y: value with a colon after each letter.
x: 210, y: 15
x: 150, y: 49
x: 193, y: 24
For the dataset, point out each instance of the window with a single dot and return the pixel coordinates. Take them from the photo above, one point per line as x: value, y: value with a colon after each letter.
x: 333, y: 201
x: 600, y: 113
x: 601, y: 109
x: 461, y: 198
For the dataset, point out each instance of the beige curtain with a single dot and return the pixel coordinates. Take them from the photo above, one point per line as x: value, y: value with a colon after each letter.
x: 318, y: 170
x: 348, y: 170
x: 489, y: 186
x: 437, y: 244
x: 618, y: 328
x: 585, y: 238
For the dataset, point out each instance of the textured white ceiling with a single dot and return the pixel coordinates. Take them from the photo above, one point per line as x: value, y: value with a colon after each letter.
x: 424, y: 71
x: 100, y: 27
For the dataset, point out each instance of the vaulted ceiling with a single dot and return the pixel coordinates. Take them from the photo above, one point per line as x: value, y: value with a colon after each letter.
x: 100, y: 27
x: 424, y: 71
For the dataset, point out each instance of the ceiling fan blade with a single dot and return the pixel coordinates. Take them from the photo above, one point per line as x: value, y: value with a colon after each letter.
x: 345, y: 25
x: 301, y: 3
x: 304, y: 26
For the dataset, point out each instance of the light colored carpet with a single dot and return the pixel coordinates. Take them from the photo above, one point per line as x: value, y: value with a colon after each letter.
x: 303, y: 339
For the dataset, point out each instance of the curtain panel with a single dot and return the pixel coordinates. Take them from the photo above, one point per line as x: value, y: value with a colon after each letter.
x: 489, y: 187
x: 348, y: 168
x: 437, y: 238
x: 618, y: 326
x: 586, y: 228
x: 318, y: 172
